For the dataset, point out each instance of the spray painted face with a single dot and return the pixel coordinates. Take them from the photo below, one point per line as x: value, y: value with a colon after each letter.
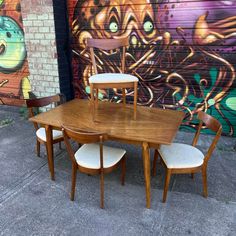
x: 12, y: 46
x: 117, y: 19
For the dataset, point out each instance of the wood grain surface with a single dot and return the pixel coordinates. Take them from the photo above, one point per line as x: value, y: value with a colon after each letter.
x: 153, y: 125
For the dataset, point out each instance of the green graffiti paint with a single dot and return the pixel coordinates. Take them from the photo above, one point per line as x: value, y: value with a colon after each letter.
x: 148, y: 26
x: 213, y: 77
x: 1, y: 2
x: 12, y: 45
x: 100, y: 95
x: 213, y: 74
x: 87, y: 89
x: 197, y: 77
x: 211, y: 102
x: 113, y: 27
x: 231, y: 103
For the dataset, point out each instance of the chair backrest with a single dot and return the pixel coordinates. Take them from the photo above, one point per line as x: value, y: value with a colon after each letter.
x: 108, y: 44
x: 41, y: 102
x: 212, y: 124
x: 82, y: 137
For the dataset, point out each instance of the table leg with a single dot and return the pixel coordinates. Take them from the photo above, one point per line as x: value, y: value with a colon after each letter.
x: 146, y: 166
x: 49, y: 146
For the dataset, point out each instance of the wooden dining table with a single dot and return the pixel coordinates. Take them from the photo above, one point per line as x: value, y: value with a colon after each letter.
x: 152, y: 127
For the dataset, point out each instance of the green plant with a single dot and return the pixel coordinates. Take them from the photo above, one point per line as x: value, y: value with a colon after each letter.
x: 6, y: 121
x: 24, y: 112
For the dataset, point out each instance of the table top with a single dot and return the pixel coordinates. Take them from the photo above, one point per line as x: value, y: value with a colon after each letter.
x: 153, y: 125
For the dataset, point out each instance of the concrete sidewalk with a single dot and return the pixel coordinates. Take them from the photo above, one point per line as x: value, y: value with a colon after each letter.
x: 32, y: 204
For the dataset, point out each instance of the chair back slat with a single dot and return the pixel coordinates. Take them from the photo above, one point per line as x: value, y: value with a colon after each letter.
x: 123, y: 60
x: 41, y: 102
x: 83, y: 136
x: 197, y: 134
x: 215, y: 126
x: 93, y: 60
x: 213, y: 144
x: 45, y: 101
x: 107, y: 44
x: 210, y: 122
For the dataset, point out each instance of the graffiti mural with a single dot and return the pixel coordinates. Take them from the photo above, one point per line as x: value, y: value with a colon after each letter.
x: 14, y: 82
x: 183, y: 52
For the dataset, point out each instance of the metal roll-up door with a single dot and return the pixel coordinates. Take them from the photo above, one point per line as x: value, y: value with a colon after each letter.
x: 184, y: 53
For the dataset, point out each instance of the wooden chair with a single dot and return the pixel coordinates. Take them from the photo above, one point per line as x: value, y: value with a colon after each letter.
x: 92, y: 157
x: 181, y: 158
x: 111, y: 80
x: 36, y: 103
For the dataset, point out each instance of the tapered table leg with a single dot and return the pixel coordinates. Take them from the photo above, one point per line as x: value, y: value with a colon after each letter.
x: 146, y: 166
x: 49, y: 146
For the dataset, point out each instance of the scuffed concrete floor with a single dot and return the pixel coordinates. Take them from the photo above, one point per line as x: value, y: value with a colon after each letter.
x: 32, y: 204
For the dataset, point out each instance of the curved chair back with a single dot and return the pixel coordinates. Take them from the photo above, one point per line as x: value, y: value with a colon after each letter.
x: 108, y: 44
x: 212, y: 124
x: 42, y: 102
x: 84, y: 137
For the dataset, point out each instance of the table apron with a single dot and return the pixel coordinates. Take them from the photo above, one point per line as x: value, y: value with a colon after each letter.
x: 112, y: 138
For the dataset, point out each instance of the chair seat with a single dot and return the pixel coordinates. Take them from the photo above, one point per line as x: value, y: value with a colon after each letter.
x: 41, y: 133
x: 178, y: 155
x: 88, y: 156
x: 112, y: 78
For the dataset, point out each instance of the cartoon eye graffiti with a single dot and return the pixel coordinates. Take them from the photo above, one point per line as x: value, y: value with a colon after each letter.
x: 148, y: 26
x: 113, y: 27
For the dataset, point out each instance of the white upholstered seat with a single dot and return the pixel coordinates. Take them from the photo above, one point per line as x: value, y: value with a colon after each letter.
x: 41, y: 133
x: 112, y: 78
x: 179, y: 155
x: 88, y: 156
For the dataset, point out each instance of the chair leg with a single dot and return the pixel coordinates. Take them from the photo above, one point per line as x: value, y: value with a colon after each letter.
x: 102, y: 190
x: 96, y: 98
x: 73, y: 181
x: 49, y: 166
x: 167, y: 181
x: 135, y: 99
x: 92, y: 100
x: 192, y: 175
x: 123, y: 167
x: 204, y: 181
x: 154, y: 167
x: 38, y: 148
x: 124, y: 96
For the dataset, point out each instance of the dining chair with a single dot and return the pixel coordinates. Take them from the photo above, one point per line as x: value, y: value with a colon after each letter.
x: 33, y: 106
x: 111, y: 80
x: 179, y: 158
x: 92, y: 157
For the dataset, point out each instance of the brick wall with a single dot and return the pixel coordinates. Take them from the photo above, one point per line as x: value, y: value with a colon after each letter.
x: 40, y: 39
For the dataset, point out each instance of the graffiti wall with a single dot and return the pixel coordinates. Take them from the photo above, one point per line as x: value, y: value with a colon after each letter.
x: 14, y: 83
x: 183, y: 52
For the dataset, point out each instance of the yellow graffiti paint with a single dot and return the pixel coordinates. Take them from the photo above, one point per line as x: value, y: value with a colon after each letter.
x: 26, y: 87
